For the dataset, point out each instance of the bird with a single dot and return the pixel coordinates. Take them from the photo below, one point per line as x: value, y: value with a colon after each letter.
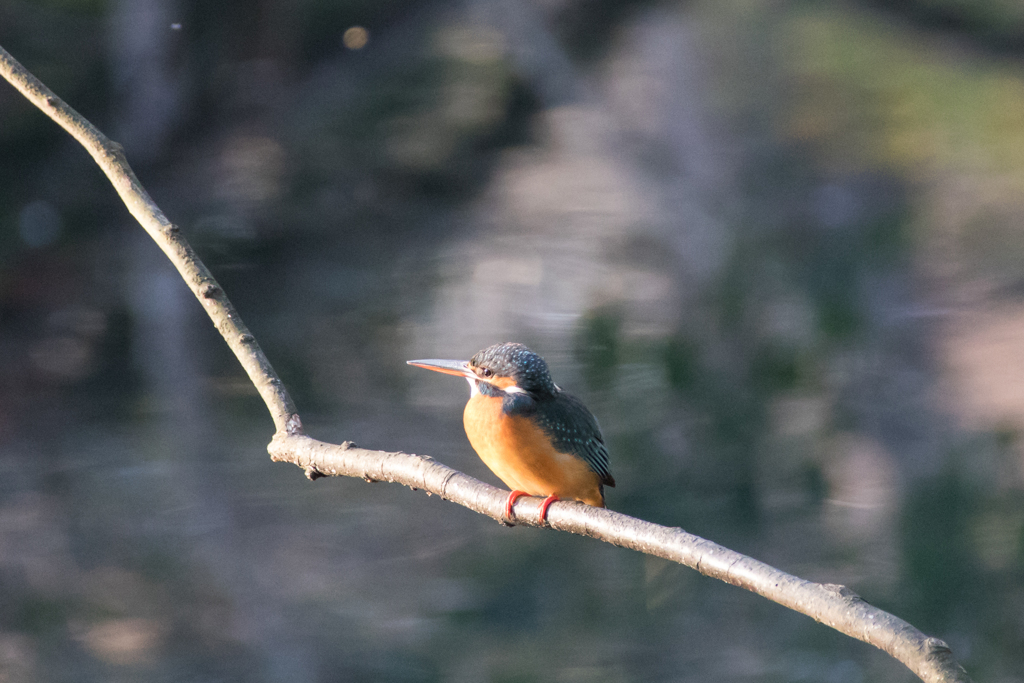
x: 539, y: 440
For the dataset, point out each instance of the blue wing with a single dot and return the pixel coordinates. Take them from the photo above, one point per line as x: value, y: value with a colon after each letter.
x: 574, y: 429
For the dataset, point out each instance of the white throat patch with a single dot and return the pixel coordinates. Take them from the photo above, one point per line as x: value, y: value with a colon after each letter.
x: 474, y: 387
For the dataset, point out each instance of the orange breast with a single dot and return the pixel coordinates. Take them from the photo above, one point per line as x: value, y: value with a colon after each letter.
x: 521, y: 454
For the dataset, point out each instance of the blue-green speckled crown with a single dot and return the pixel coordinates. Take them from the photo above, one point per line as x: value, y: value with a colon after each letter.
x: 526, y: 368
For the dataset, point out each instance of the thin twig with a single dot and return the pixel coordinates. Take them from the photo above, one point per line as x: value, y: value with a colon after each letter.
x: 835, y: 606
x: 109, y: 155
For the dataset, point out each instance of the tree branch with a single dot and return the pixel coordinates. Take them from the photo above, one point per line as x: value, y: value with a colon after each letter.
x: 109, y: 155
x: 833, y: 605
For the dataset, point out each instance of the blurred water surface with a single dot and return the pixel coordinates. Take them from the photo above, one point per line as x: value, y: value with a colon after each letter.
x: 775, y: 246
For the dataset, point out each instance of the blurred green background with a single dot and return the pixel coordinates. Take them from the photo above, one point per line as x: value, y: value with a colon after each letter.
x: 776, y: 246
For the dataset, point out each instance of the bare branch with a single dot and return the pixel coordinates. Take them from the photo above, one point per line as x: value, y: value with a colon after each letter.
x: 833, y: 605
x: 109, y: 155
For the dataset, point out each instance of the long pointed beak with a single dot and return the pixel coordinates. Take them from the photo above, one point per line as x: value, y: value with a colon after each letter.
x: 459, y: 368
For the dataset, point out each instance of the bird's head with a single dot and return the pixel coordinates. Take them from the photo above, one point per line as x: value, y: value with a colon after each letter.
x: 507, y: 368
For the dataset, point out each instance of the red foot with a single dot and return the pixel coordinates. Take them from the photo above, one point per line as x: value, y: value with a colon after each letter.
x: 511, y: 499
x: 515, y: 495
x: 545, y: 505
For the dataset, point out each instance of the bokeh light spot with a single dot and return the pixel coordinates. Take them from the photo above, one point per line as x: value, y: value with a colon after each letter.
x: 356, y: 38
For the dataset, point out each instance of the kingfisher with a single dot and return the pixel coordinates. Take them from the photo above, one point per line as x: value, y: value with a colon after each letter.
x: 535, y: 437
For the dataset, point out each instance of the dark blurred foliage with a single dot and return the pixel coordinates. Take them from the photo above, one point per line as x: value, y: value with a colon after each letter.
x: 996, y: 25
x: 774, y: 246
x: 587, y: 29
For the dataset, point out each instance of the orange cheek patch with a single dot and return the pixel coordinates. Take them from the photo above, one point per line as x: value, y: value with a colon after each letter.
x: 502, y: 382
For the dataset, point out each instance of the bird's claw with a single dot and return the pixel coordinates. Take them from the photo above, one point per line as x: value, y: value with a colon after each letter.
x: 515, y: 495
x: 512, y: 497
x: 544, y: 507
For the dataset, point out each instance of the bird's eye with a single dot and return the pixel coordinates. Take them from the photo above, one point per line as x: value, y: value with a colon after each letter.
x: 486, y: 372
